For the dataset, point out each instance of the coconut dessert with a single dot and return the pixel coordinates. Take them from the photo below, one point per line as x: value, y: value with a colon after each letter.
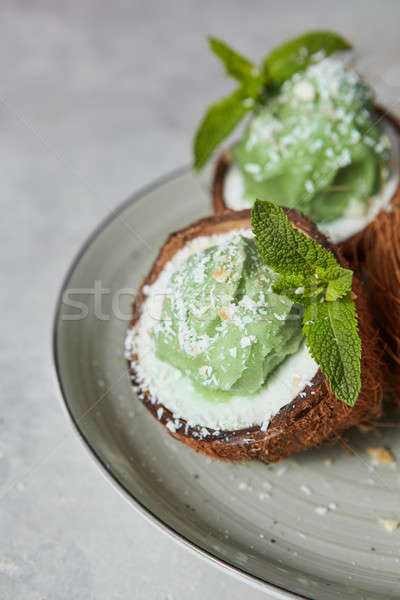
x: 225, y: 352
x: 315, y: 138
x: 316, y: 145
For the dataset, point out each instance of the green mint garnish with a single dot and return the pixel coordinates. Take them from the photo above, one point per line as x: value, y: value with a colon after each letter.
x: 221, y: 119
x: 310, y: 275
x: 330, y: 328
x: 298, y: 54
x: 296, y: 257
x: 236, y: 65
x: 256, y: 83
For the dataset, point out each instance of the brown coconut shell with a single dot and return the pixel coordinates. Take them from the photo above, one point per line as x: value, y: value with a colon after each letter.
x: 376, y: 257
x: 305, y: 422
x: 374, y: 253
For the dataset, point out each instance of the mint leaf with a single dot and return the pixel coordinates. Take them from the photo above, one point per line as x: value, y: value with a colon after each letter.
x: 333, y: 341
x: 221, y: 119
x: 298, y: 288
x: 332, y: 284
x: 309, y: 274
x: 297, y: 54
x: 235, y: 64
x: 288, y: 250
x: 339, y: 283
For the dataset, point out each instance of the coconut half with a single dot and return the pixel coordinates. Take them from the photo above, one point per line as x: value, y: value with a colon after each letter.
x: 308, y: 417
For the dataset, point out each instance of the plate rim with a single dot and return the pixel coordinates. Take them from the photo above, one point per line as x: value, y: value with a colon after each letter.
x: 254, y: 580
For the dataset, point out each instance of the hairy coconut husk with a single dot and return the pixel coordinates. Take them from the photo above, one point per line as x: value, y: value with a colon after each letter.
x: 317, y: 418
x: 374, y: 254
x: 376, y: 257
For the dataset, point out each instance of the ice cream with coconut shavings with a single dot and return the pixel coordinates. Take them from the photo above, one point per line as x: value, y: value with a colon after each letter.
x: 221, y: 324
x: 314, y: 146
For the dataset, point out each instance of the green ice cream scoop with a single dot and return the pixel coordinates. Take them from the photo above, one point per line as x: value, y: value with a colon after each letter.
x: 314, y: 146
x: 222, y: 325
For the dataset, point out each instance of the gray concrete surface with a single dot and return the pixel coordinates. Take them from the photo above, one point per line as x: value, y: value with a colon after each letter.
x: 97, y: 98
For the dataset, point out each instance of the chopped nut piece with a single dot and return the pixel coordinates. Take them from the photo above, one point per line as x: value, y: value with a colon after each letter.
x: 389, y: 524
x: 220, y: 275
x: 381, y: 455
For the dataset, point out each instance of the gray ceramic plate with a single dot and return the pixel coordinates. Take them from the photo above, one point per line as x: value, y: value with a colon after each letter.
x: 308, y: 526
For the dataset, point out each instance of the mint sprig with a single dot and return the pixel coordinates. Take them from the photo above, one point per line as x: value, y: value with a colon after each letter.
x: 292, y: 254
x: 310, y: 274
x: 256, y: 83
